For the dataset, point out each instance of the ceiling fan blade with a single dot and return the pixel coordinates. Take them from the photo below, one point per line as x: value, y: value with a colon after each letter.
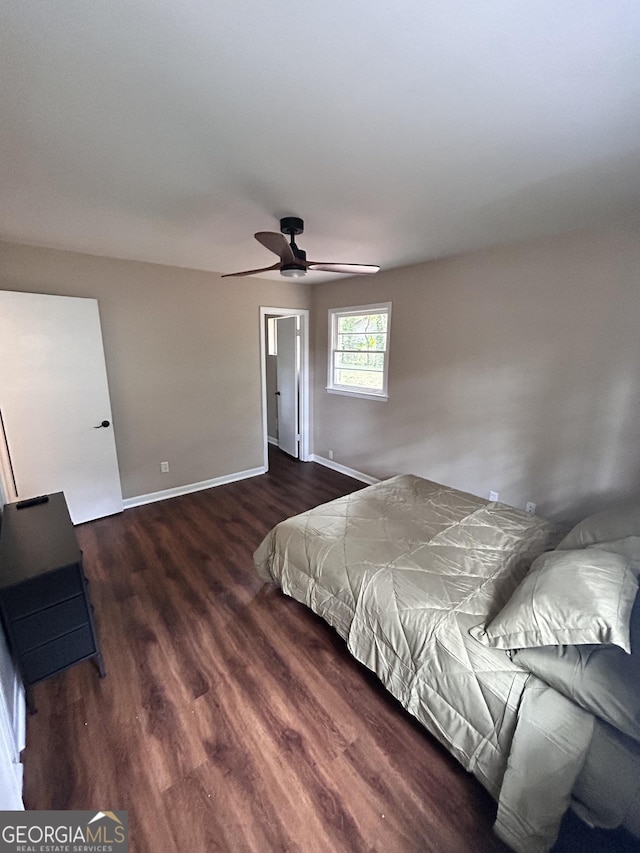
x: 349, y: 269
x: 277, y: 244
x: 252, y: 272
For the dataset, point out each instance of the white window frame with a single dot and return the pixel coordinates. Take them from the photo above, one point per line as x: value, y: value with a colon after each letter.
x: 348, y: 390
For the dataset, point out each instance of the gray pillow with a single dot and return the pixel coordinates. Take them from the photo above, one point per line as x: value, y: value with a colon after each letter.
x: 567, y: 598
x: 616, y: 523
x: 603, y: 680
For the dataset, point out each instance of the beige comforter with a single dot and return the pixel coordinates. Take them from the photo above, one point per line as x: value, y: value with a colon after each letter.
x: 402, y: 570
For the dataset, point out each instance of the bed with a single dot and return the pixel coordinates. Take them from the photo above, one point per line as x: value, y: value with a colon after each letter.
x: 443, y: 595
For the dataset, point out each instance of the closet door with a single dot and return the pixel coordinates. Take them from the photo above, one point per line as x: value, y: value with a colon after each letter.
x: 56, y: 429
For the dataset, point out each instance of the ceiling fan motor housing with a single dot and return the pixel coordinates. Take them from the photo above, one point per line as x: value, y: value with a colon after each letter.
x: 299, y: 267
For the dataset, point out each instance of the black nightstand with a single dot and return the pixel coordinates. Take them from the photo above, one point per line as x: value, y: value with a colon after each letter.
x: 44, y: 604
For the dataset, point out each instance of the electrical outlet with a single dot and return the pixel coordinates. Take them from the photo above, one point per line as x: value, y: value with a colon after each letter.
x: 530, y: 506
x: 164, y: 467
x: 331, y: 454
x: 494, y: 496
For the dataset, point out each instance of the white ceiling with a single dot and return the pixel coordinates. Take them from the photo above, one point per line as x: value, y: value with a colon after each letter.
x: 401, y: 130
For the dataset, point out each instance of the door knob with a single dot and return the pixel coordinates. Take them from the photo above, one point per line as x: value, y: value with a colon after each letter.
x: 277, y: 393
x: 103, y: 424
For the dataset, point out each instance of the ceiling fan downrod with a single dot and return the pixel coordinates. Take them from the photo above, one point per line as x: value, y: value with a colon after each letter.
x: 293, y: 226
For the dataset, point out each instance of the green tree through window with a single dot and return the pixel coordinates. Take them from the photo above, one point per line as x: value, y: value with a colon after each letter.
x: 359, y: 349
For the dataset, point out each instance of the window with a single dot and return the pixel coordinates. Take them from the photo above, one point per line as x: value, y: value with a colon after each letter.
x: 359, y: 350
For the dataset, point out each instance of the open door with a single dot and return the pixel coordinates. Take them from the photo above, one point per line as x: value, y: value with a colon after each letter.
x: 292, y: 432
x: 56, y: 429
x: 287, y: 361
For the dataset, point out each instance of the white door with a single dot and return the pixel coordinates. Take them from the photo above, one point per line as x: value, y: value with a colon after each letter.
x: 287, y: 368
x: 54, y: 402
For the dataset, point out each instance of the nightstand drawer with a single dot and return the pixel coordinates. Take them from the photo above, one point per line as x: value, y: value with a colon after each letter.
x: 49, y: 624
x: 58, y: 654
x: 43, y: 591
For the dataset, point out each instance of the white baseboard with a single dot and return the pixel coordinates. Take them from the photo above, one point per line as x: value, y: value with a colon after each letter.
x: 273, y: 440
x: 128, y: 503
x: 342, y: 469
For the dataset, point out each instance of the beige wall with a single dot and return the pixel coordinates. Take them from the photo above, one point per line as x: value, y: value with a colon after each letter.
x: 183, y: 359
x: 516, y: 370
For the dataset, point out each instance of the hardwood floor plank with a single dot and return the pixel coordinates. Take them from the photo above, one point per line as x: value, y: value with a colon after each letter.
x: 232, y: 718
x: 238, y: 750
x: 199, y: 811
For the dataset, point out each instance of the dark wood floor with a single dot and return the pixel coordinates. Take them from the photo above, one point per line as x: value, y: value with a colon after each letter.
x: 231, y: 717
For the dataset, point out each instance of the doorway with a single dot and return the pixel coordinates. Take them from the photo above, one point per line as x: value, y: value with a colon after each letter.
x: 295, y: 396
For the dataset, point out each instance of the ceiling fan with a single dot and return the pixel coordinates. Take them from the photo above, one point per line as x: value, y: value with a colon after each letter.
x: 293, y: 261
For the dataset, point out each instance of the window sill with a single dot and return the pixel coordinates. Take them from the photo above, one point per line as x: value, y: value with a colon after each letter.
x: 360, y: 394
